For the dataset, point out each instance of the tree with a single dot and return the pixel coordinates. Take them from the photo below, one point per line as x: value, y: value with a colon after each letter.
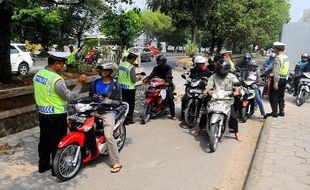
x: 184, y: 12
x: 122, y: 28
x: 156, y: 24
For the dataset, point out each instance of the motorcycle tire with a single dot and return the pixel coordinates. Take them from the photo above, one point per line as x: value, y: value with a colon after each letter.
x: 62, y: 158
x: 146, y: 114
x: 300, y: 98
x: 244, y: 114
x: 213, y: 138
x: 190, y: 115
x: 120, y: 137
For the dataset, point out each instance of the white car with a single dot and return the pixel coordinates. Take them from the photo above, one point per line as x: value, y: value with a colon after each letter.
x: 21, y: 60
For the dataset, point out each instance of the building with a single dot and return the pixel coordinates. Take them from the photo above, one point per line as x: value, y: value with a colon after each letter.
x: 305, y: 16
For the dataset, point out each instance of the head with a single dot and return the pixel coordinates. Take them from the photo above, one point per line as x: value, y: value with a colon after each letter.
x: 131, y: 58
x: 223, y: 68
x: 211, y: 62
x: 304, y: 57
x: 279, y: 47
x: 107, y: 70
x: 199, y: 62
x: 252, y: 65
x: 161, y: 60
x: 56, y: 61
x: 247, y: 57
x: 226, y: 55
x: 71, y: 48
x: 272, y: 56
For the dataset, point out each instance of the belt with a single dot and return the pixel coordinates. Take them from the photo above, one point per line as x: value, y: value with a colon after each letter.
x: 283, y: 76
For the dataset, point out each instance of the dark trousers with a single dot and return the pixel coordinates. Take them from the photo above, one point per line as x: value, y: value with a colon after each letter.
x: 277, y: 96
x: 129, y: 96
x: 233, y: 121
x: 296, y: 82
x: 169, y: 100
x: 53, y: 128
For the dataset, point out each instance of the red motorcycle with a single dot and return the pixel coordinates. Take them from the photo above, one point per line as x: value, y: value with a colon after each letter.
x: 154, y: 104
x: 86, y: 140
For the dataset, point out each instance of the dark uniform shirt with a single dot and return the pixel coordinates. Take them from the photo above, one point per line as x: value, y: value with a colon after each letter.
x: 163, y: 72
x: 198, y: 74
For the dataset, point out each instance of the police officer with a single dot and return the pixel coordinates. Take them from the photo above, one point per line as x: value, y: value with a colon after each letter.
x: 127, y: 79
x: 72, y: 57
x: 51, y: 97
x: 278, y: 81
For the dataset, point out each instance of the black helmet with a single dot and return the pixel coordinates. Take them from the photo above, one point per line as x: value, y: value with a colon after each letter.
x: 223, y: 68
x: 272, y: 56
x: 304, y: 56
x: 247, y: 57
x: 253, y: 63
x: 161, y: 58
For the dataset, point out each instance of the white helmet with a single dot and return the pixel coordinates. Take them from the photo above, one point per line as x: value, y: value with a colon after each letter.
x: 199, y: 60
x: 109, y: 66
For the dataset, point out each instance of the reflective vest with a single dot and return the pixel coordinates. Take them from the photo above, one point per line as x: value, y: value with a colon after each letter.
x: 124, y: 76
x: 284, y: 65
x: 71, y: 58
x: 47, y: 100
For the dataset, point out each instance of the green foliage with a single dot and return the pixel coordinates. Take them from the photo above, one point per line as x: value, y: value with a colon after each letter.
x: 156, y: 24
x: 191, y: 49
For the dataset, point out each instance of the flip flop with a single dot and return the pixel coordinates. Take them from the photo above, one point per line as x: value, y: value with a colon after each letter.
x: 116, y: 169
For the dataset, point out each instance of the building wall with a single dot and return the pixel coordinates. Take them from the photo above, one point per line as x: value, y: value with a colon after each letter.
x: 297, y: 37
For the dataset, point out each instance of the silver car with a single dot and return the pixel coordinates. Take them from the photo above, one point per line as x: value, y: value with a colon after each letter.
x: 146, y: 53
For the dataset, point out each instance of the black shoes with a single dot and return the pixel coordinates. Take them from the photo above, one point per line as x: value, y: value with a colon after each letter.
x: 44, y: 169
x: 281, y: 114
x: 271, y: 114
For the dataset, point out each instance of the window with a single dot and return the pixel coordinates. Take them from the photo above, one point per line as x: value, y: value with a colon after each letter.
x: 23, y: 48
x: 146, y: 49
x: 13, y: 50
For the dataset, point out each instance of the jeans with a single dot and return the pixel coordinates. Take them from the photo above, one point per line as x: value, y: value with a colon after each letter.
x: 259, y: 101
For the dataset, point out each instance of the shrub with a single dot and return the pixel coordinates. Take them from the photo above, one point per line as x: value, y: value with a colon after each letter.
x: 191, y: 49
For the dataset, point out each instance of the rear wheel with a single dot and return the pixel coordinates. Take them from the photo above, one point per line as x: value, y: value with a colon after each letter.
x: 190, y: 115
x: 63, y: 165
x: 146, y: 113
x: 23, y: 69
x: 213, y: 136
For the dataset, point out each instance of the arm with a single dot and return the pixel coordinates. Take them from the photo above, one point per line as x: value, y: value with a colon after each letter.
x: 153, y: 74
x: 62, y: 90
x: 133, y: 74
x: 169, y: 76
x: 276, y: 76
x: 210, y: 87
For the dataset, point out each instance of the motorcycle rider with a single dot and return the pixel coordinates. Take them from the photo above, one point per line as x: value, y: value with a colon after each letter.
x: 164, y: 71
x: 108, y: 90
x: 269, y: 61
x: 243, y: 65
x: 199, y: 71
x: 278, y: 81
x: 253, y: 74
x: 224, y: 80
x: 297, y: 71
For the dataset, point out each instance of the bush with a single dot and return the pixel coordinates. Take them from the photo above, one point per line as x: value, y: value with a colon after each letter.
x: 191, y: 49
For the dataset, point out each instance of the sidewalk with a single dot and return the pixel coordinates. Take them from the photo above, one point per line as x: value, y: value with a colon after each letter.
x: 282, y: 159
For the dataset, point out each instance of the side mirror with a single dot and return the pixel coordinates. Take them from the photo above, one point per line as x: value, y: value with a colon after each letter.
x: 183, y: 76
x: 184, y: 68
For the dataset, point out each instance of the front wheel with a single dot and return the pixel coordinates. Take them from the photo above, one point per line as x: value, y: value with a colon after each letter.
x: 190, y: 115
x: 120, y: 137
x: 244, y: 115
x: 146, y: 113
x: 300, y: 98
x: 64, y: 166
x: 213, y: 136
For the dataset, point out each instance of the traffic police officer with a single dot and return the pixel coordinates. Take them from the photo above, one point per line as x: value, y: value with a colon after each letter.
x: 51, y: 96
x: 127, y: 79
x: 278, y: 81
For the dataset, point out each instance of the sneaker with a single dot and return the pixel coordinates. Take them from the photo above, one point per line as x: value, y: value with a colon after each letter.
x: 44, y: 169
x: 281, y: 114
x: 265, y: 116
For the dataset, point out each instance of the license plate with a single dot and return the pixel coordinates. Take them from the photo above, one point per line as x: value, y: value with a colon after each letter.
x: 195, y: 91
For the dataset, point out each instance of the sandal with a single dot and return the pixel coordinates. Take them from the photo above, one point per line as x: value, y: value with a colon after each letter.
x: 116, y: 168
x: 196, y: 133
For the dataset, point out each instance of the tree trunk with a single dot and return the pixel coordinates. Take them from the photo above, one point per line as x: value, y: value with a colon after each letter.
x: 194, y: 33
x: 5, y: 35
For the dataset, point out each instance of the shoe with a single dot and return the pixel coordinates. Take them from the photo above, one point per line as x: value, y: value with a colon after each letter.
x: 265, y: 116
x: 173, y: 118
x: 44, y: 169
x: 281, y: 114
x: 53, y: 173
x: 271, y: 114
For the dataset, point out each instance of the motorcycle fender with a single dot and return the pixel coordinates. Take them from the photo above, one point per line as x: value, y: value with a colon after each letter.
x: 72, y: 137
x: 216, y: 117
x: 305, y: 87
x: 148, y: 100
x: 245, y: 103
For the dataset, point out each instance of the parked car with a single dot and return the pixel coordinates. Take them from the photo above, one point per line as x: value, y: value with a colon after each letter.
x: 145, y: 53
x: 21, y: 60
x: 154, y: 50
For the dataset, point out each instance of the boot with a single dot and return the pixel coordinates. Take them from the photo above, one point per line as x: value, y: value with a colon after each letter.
x: 281, y: 108
x: 274, y: 108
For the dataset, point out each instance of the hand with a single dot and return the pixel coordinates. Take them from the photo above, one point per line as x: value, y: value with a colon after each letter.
x: 97, y: 97
x: 214, y: 96
x: 236, y: 93
x: 82, y: 79
x: 145, y: 81
x: 205, y: 78
x: 276, y: 87
x: 205, y: 91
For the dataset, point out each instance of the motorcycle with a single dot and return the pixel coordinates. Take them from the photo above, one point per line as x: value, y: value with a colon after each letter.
x: 303, y: 89
x: 290, y: 83
x: 195, y: 98
x: 248, y: 100
x: 86, y: 140
x: 218, y: 111
x: 154, y: 103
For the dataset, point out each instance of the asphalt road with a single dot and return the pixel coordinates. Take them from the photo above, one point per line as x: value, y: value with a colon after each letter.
x: 158, y: 155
